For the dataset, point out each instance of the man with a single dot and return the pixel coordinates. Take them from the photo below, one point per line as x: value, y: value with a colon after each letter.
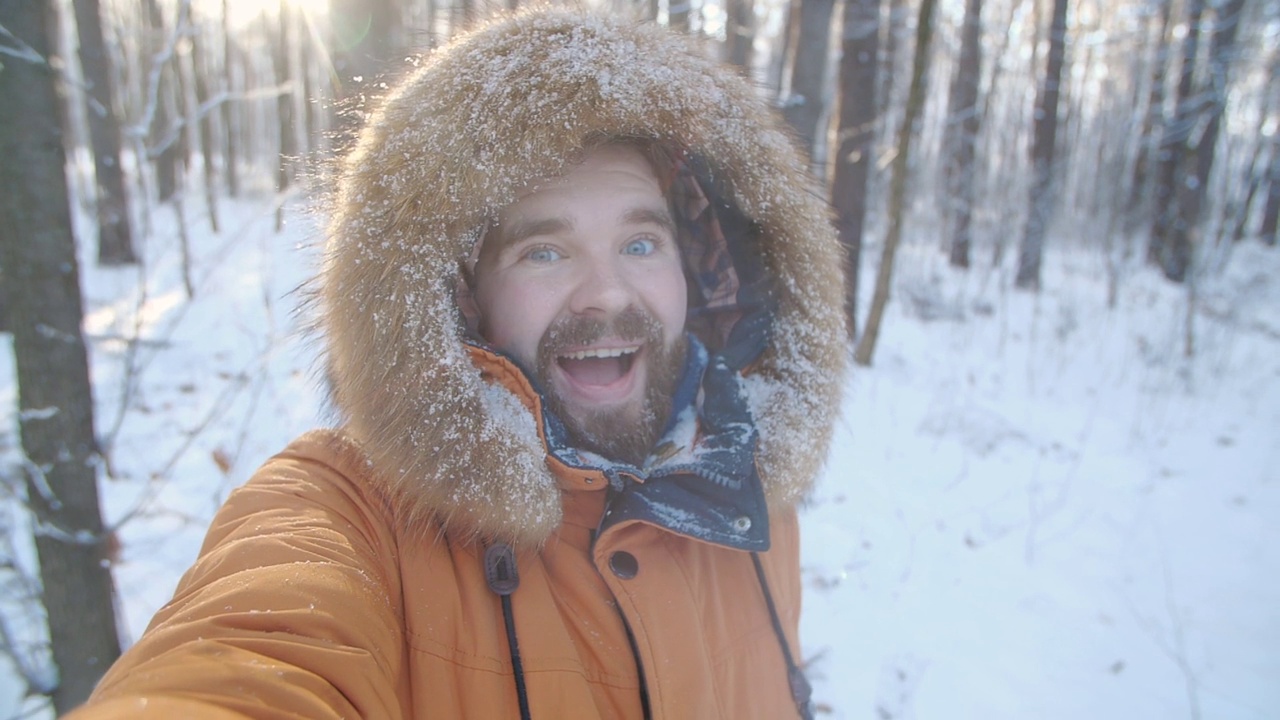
x: 581, y: 316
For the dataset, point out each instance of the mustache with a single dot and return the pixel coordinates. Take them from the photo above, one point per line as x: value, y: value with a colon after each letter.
x: 633, y: 324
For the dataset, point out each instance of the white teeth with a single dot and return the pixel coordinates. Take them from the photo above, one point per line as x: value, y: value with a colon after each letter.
x: 599, y: 353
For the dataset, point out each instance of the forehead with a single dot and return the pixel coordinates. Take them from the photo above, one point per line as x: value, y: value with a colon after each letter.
x: 608, y: 170
x: 617, y: 182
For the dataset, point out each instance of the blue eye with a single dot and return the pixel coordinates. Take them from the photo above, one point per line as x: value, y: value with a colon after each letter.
x: 542, y: 255
x: 640, y: 247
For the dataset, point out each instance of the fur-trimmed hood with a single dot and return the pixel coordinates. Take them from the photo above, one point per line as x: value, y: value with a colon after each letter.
x: 497, y: 109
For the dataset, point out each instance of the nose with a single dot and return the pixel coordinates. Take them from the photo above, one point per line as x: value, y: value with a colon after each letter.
x: 599, y: 289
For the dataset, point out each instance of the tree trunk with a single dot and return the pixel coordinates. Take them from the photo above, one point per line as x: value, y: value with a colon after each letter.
x: 855, y: 144
x: 1271, y: 211
x: 1042, y: 155
x: 1244, y: 209
x: 1153, y: 117
x: 895, y: 29
x: 313, y: 120
x: 115, y: 230
x: 678, y: 14
x: 1201, y: 147
x: 1253, y: 178
x: 4, y: 308
x: 200, y: 67
x: 995, y: 181
x: 230, y: 109
x: 183, y: 98
x: 164, y: 136
x: 740, y: 33
x: 55, y: 402
x: 898, y: 186
x: 803, y: 109
x: 780, y: 82
x: 1176, y: 133
x: 193, y: 127
x: 288, y: 149
x: 963, y: 125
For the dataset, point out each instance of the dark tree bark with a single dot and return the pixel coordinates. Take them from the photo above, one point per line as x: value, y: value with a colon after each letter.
x: 1271, y: 173
x: 200, y: 67
x: 1244, y: 208
x: 803, y: 110
x: 183, y: 97
x: 740, y: 33
x: 1253, y: 177
x: 1140, y: 184
x: 963, y: 125
x: 165, y: 138
x: 783, y: 60
x: 4, y: 307
x: 895, y: 30
x: 678, y: 14
x: 1192, y: 186
x: 288, y: 149
x: 1174, y: 137
x: 115, y: 233
x: 313, y: 119
x: 55, y: 403
x: 855, y: 144
x: 1043, y: 148
x: 1271, y: 211
x: 230, y: 109
x: 898, y: 186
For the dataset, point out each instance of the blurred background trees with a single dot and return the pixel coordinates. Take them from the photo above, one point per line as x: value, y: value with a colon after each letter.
x: 1144, y: 130
x: 183, y: 99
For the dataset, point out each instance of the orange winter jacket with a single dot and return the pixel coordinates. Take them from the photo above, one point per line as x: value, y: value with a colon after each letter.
x: 309, y: 601
x: 348, y: 577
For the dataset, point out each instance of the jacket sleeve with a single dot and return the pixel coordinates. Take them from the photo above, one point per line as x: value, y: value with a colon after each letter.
x: 292, y: 609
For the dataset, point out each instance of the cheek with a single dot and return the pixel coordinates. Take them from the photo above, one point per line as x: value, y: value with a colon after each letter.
x: 514, y: 317
x: 672, y: 302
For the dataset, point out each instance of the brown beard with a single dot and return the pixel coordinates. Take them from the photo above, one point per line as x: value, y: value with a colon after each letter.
x: 616, y: 433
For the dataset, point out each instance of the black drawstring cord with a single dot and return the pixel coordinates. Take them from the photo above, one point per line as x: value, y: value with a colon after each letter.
x: 801, y: 691
x: 500, y: 573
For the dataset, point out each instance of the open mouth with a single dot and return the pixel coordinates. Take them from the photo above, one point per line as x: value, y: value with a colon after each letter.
x: 598, y: 367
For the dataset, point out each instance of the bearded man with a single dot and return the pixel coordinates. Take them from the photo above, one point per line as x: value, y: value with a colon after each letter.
x: 581, y: 311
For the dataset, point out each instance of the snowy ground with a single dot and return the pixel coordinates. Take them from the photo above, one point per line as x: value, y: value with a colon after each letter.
x: 1035, y: 507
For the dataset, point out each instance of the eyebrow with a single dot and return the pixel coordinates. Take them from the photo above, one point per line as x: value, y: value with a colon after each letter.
x: 649, y: 216
x: 518, y: 231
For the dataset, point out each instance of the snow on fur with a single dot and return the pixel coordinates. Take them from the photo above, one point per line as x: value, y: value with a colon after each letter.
x: 495, y: 111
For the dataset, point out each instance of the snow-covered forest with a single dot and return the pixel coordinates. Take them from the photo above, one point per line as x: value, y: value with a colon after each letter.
x: 1054, y: 488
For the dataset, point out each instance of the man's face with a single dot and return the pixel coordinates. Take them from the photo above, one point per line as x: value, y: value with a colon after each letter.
x: 582, y: 282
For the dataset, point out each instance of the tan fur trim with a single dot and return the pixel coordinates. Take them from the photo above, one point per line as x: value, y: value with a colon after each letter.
x: 494, y: 111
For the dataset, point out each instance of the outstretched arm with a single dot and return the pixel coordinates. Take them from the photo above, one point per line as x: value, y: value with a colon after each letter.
x: 292, y: 609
